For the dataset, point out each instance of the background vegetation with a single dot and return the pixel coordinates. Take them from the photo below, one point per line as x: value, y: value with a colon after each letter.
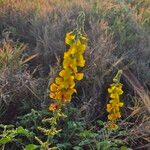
x: 31, y: 48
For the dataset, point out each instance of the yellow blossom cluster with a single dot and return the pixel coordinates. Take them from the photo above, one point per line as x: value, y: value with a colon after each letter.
x: 113, y: 107
x: 64, y: 85
x: 53, y: 107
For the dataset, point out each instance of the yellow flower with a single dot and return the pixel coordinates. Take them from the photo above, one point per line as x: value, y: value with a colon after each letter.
x: 80, y: 61
x: 116, y: 89
x: 111, y: 90
x: 109, y: 107
x: 112, y: 117
x: 68, y: 94
x: 67, y: 54
x: 79, y: 76
x: 70, y: 37
x: 81, y: 47
x: 74, y: 50
x: 52, y: 95
x: 58, y: 95
x: 77, y: 49
x: 121, y: 104
x: 59, y: 80
x: 71, y: 82
x: 64, y: 84
x: 53, y: 107
x: 70, y: 63
x: 65, y: 73
x: 117, y: 115
x: 112, y: 126
x: 53, y: 87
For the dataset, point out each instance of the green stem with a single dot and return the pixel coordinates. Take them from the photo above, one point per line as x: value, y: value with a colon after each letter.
x: 80, y: 23
x: 116, y: 79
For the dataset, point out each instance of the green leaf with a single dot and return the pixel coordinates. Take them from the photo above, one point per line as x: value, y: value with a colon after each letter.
x: 31, y: 147
x: 6, y: 126
x: 124, y: 148
x: 21, y: 130
x: 5, y: 140
x: 85, y: 142
x: 88, y: 134
x: 77, y: 148
x: 103, y: 145
x: 2, y: 126
x: 100, y: 122
x: 64, y: 145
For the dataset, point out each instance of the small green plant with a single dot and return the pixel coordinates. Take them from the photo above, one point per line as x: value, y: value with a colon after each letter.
x: 33, y: 119
x: 10, y: 134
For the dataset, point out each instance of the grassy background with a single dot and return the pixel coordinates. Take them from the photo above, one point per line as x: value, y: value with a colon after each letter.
x: 32, y: 45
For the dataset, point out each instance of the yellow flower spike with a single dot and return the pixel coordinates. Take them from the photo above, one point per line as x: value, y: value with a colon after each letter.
x: 73, y: 58
x: 70, y: 37
x: 79, y: 76
x: 114, y: 105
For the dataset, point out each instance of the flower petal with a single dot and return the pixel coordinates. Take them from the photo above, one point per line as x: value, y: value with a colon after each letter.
x: 69, y: 38
x: 79, y: 76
